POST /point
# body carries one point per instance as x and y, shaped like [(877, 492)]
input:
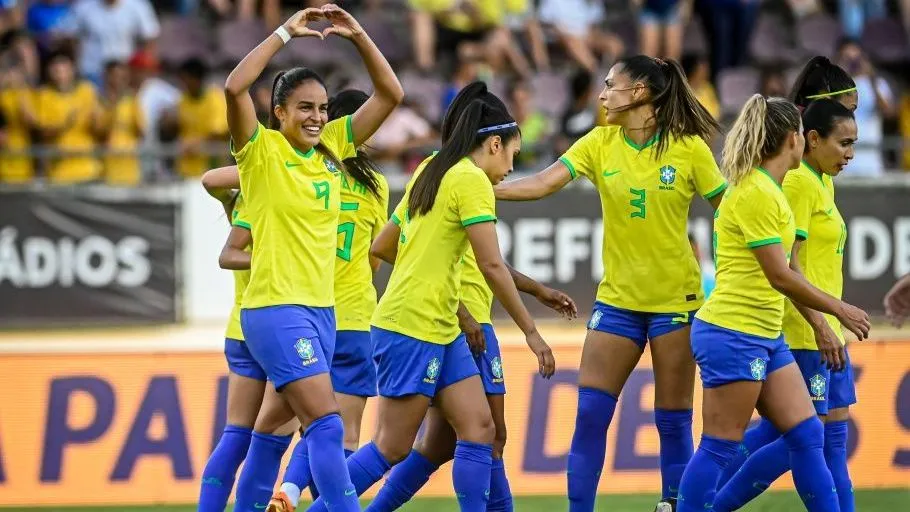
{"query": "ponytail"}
[(360, 167), (464, 138), (820, 78), (757, 134), (677, 111)]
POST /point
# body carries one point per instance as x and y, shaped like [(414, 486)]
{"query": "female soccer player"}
[(246, 379), (437, 445), (420, 353), (736, 337), (816, 341), (647, 165), (291, 183), (820, 79)]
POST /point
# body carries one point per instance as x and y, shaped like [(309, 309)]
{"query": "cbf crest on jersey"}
[(757, 367), (432, 371), (817, 385), (330, 165), (667, 175), (305, 351)]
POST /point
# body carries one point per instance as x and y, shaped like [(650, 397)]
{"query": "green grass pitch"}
[(867, 501)]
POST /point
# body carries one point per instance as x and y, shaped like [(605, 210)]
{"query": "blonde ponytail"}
[(757, 135)]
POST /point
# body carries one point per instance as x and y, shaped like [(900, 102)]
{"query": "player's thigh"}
[(674, 370), (465, 407), (398, 420), (784, 398), (351, 407), (727, 409), (274, 412), (310, 398), (438, 441), (244, 399), (607, 360), (498, 411)]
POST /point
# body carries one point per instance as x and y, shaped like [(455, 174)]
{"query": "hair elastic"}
[(497, 127), (829, 94)]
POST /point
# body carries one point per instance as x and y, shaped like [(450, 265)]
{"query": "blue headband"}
[(497, 127)]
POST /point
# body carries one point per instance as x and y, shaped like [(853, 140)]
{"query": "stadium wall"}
[(114, 428)]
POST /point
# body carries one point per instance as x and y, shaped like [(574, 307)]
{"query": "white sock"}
[(292, 492)]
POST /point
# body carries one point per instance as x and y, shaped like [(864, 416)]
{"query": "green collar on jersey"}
[(768, 174), (815, 172), (648, 143), (308, 154)]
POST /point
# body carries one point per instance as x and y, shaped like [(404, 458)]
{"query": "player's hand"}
[(558, 301), (829, 347), (296, 25), (343, 24), (473, 331), (546, 363), (897, 301), (854, 319)]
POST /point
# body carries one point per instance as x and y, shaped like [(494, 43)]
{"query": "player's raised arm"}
[(387, 91), (241, 112)]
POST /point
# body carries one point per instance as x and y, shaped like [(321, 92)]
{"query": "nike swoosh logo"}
[(829, 210), (291, 164), (259, 507), (350, 492), (607, 174)]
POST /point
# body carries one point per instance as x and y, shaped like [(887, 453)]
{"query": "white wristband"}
[(283, 34)]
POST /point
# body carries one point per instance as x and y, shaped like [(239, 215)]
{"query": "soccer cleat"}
[(280, 503), (667, 505)]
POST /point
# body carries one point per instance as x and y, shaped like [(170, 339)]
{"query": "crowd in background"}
[(129, 91)]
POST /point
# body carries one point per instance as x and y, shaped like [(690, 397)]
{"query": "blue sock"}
[(324, 438), (500, 493), (471, 475), (298, 470), (676, 447), (699, 481), (589, 447), (366, 466), (761, 469), (221, 469), (756, 437), (257, 480), (836, 457), (406, 478), (807, 461)]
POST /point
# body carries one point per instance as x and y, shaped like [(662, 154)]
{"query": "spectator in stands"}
[(728, 27), (16, 47), (108, 30), (271, 11), (156, 97), (201, 119), (45, 19), (17, 110), (120, 126), (874, 105), (771, 82), (855, 13), (581, 115), (403, 139), (577, 24), (698, 73), (468, 69), (534, 125), (466, 27), (661, 27), (65, 110)]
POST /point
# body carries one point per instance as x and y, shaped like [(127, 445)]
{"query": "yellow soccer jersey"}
[(752, 214), (819, 223), (241, 277), (361, 219), (16, 169), (74, 111), (292, 201), (127, 123), (421, 299), (648, 261), (200, 118), (476, 294)]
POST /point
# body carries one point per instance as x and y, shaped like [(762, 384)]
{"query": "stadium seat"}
[(183, 38), (886, 41), (818, 35), (550, 93), (694, 39), (234, 39), (735, 86), (427, 91), (771, 41), (388, 35)]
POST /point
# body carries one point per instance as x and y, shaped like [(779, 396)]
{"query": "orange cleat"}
[(280, 503)]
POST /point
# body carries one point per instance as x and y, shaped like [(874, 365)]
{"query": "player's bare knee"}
[(392, 448)]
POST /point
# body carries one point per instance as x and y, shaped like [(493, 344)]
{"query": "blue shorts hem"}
[(353, 370), (725, 356), (637, 326), (241, 362)]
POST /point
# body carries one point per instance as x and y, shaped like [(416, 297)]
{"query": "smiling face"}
[(834, 152), (304, 114)]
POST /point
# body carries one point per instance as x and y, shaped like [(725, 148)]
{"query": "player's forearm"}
[(815, 319), (794, 286), (234, 259), (524, 283), (251, 67), (500, 281), (385, 83), (524, 189)]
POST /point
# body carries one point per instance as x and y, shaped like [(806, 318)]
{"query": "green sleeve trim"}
[(762, 243), (802, 234), (396, 220), (568, 164), (478, 220), (255, 134), (242, 224), (252, 139), (349, 126), (716, 191), (348, 207)]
